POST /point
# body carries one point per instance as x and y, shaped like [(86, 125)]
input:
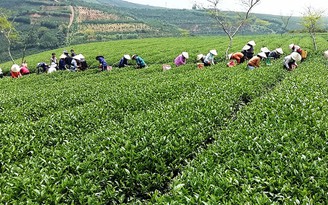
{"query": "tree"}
[(229, 25), (285, 22), (311, 21), (8, 31)]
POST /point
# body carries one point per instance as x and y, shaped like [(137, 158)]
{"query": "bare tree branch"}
[(7, 30), (285, 20), (231, 28)]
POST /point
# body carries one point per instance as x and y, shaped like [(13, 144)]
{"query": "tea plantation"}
[(184, 136)]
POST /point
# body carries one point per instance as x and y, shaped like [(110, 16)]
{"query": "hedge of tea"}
[(121, 136), (274, 153)]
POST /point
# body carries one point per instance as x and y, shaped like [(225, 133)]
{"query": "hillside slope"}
[(46, 24), (183, 136)]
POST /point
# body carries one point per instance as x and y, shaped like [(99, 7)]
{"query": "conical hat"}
[(252, 43), (213, 52), (229, 56), (15, 68), (185, 54), (296, 56), (291, 46), (280, 51), (246, 47), (265, 50), (262, 54), (62, 56), (127, 56), (200, 56), (81, 56), (326, 54)]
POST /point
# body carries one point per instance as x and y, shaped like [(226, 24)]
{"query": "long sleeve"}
[(287, 61), (140, 61), (179, 61), (209, 59)]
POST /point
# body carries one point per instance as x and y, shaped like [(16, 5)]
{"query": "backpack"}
[(304, 54)]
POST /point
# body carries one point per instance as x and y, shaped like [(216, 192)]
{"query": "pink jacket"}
[(180, 60), (24, 71)]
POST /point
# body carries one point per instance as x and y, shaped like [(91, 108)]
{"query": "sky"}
[(276, 7)]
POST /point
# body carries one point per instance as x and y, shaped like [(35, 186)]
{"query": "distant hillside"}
[(49, 24)]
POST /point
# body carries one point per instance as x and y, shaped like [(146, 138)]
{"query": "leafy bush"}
[(223, 134)]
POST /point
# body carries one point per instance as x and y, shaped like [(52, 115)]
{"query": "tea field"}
[(184, 136)]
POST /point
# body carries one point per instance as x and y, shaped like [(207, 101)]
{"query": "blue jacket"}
[(103, 62), (62, 64), (140, 62), (123, 62)]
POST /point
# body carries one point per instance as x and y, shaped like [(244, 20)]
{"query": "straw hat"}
[(246, 47), (326, 54), (200, 56), (296, 56), (252, 43), (291, 46), (15, 68), (81, 56), (265, 50), (213, 52), (262, 54), (280, 51), (127, 56), (229, 56), (185, 54)]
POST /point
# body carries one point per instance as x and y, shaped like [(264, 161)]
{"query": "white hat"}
[(127, 56), (262, 54), (200, 56), (62, 56), (246, 47), (252, 43), (81, 56), (185, 54), (296, 56), (229, 56), (291, 46), (213, 52), (15, 68), (280, 51), (326, 54), (265, 50)]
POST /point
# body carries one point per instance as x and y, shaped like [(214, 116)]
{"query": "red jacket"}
[(15, 74)]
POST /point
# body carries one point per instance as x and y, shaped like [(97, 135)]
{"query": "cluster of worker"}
[(247, 54), (73, 62)]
